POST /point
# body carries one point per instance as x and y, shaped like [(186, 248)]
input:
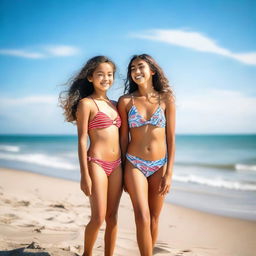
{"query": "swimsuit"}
[(136, 120), (146, 167), (107, 166), (102, 120)]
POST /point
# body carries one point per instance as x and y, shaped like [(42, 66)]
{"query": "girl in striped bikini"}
[(147, 142), (87, 104)]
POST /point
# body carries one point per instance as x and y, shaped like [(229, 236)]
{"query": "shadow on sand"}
[(23, 252)]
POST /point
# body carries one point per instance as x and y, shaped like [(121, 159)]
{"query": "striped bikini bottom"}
[(145, 166), (107, 166)]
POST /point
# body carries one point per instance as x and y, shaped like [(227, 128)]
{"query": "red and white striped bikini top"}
[(102, 120)]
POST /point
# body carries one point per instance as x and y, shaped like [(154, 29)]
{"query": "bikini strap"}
[(95, 104)]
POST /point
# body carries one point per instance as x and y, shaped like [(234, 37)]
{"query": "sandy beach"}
[(40, 215)]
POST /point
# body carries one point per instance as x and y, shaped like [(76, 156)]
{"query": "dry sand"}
[(43, 216)]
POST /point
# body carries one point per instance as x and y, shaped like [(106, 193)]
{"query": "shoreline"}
[(166, 202), (180, 194), (53, 211)]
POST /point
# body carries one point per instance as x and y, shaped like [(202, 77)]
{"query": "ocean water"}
[(212, 173)]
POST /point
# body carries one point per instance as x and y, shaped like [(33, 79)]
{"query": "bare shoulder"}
[(125, 99), (85, 103), (168, 99)]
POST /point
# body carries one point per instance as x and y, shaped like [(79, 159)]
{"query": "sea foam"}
[(245, 167), (9, 148), (218, 182), (40, 159)]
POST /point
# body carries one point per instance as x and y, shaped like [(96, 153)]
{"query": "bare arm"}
[(170, 141), (170, 134), (124, 129), (83, 113)]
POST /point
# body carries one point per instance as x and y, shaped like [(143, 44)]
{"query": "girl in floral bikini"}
[(87, 104), (148, 143)]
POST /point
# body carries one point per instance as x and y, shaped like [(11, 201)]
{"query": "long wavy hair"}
[(160, 82), (80, 87)]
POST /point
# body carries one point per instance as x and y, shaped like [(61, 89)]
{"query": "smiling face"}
[(102, 77), (141, 72)]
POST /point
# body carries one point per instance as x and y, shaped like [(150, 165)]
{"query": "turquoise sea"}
[(212, 173)]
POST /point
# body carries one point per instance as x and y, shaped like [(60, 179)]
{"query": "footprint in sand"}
[(27, 225), (69, 222), (161, 247), (7, 201), (22, 203), (158, 249), (11, 216), (82, 205), (50, 218), (60, 206), (183, 252), (39, 230), (61, 217)]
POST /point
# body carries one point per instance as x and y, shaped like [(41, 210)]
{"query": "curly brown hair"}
[(160, 82), (80, 87)]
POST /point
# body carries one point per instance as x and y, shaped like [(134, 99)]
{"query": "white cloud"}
[(247, 58), (62, 50), (44, 52), (195, 41), (22, 53), (216, 111)]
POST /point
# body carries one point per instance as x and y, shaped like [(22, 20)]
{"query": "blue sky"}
[(206, 48)]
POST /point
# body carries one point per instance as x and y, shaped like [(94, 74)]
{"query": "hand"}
[(86, 185), (165, 185)]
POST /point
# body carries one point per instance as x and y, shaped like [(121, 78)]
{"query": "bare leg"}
[(137, 187), (98, 201), (155, 201), (114, 195)]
